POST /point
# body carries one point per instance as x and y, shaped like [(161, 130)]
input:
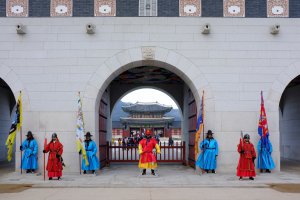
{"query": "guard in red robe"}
[(147, 157), (245, 167), (55, 163)]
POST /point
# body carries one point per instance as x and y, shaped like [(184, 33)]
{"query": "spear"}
[(45, 144)]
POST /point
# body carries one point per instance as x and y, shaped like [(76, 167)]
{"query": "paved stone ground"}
[(150, 194), (169, 176), (173, 182)]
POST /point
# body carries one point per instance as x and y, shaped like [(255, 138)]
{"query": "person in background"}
[(245, 166), (29, 158), (55, 162), (171, 141), (91, 153), (207, 160)]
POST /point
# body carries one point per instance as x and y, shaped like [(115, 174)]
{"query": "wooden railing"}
[(169, 154)]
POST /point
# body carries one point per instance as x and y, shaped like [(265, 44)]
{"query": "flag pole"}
[(80, 150), (203, 128), (45, 144), (79, 164), (21, 150), (261, 137), (19, 121)]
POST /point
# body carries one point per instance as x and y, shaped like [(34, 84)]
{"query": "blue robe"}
[(29, 158), (91, 152), (207, 159), (264, 160)]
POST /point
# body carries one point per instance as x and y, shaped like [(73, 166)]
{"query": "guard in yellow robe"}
[(147, 157)]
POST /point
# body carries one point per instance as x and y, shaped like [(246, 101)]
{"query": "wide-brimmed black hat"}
[(209, 132), (246, 136), (29, 133), (54, 135), (88, 134)]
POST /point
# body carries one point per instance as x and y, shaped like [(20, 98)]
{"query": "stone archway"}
[(273, 104), (143, 56), (134, 57), (11, 78), (15, 85)]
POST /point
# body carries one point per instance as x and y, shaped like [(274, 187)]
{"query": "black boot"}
[(93, 171), (84, 171), (50, 178), (241, 178), (27, 171), (144, 172), (152, 172), (251, 178), (213, 171), (58, 178), (268, 171)]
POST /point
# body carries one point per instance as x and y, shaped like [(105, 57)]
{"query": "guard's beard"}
[(148, 137)]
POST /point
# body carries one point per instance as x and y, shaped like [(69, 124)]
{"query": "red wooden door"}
[(192, 117), (103, 111)]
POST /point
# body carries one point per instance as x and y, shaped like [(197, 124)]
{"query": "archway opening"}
[(149, 76), (7, 103), (146, 108), (289, 125)]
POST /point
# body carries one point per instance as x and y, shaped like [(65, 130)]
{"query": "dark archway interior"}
[(7, 103), (289, 123), (147, 76)]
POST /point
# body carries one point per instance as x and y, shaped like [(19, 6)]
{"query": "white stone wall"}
[(290, 125), (56, 58)]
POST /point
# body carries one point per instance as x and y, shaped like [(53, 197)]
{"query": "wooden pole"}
[(79, 164), (21, 151), (45, 144)]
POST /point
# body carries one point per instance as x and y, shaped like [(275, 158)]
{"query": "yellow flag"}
[(15, 126)]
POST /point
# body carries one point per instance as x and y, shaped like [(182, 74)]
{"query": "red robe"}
[(147, 157), (54, 165), (245, 167)]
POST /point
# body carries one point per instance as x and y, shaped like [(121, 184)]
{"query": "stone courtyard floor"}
[(173, 182)]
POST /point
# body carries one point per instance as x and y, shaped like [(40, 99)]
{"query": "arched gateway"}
[(100, 94)]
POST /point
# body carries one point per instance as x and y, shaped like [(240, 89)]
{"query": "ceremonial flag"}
[(15, 126), (80, 131), (263, 130), (199, 127)]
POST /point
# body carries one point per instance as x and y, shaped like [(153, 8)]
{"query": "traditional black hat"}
[(54, 135), (88, 134), (209, 132), (29, 133), (246, 136)]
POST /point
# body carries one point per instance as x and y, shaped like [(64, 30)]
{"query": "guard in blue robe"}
[(207, 160), (265, 161), (30, 150), (91, 152)]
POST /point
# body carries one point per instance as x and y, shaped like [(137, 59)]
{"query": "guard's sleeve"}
[(60, 149), (157, 148), (259, 146), (35, 148), (271, 147), (23, 145), (140, 149), (217, 147), (94, 148), (253, 151)]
